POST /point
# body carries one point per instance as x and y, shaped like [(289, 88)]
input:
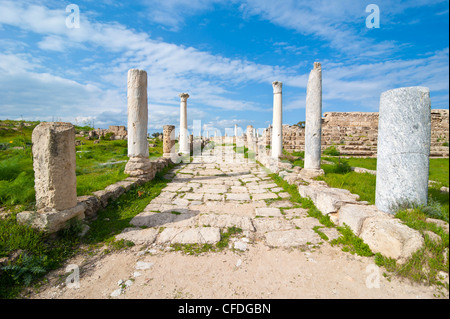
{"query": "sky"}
[(68, 61)]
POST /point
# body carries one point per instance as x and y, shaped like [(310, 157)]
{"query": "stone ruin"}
[(403, 142), (356, 133)]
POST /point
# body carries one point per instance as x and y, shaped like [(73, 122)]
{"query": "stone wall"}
[(355, 133)]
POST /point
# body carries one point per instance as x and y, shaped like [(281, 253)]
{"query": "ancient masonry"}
[(356, 133)]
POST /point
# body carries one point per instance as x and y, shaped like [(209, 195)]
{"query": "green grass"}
[(425, 264), (38, 252), (196, 249), (17, 175)]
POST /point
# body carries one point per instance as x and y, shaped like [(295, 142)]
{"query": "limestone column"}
[(313, 124), (55, 183), (249, 137), (404, 137), (139, 163), (184, 137), (168, 140), (277, 133)]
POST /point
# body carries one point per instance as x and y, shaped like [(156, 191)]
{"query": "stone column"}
[(184, 138), (139, 163), (168, 140), (313, 124), (54, 177), (404, 137), (277, 133)]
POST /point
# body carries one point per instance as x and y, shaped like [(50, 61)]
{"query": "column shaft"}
[(404, 138), (277, 133), (313, 125)]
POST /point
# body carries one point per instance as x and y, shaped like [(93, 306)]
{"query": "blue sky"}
[(224, 53)]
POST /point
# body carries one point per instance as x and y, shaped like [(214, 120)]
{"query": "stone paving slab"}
[(268, 211), (291, 238), (225, 221), (200, 235), (196, 207), (264, 196), (237, 196)]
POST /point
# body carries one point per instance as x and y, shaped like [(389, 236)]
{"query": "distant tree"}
[(155, 135), (300, 124)]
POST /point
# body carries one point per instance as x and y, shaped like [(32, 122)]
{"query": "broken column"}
[(184, 138), (277, 133), (168, 141), (54, 177), (313, 124), (404, 137), (139, 163)]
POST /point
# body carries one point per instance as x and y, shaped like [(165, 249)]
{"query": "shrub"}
[(331, 151)]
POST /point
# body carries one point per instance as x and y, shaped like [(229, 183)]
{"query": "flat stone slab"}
[(225, 221), (306, 222), (138, 235), (199, 235), (281, 203), (295, 212), (213, 197), (265, 225), (237, 196), (163, 219), (239, 189), (262, 196), (193, 196), (268, 211), (291, 238)]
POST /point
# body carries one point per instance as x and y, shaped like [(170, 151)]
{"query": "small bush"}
[(331, 151)]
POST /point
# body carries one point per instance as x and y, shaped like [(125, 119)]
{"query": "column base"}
[(138, 166), (310, 173), (50, 220)]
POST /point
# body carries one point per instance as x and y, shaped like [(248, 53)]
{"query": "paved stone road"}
[(211, 194)]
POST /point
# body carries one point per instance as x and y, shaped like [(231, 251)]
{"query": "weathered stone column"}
[(277, 132), (168, 140), (404, 137), (313, 124), (54, 177), (184, 138), (249, 135), (139, 163)]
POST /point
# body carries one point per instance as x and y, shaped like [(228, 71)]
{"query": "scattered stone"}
[(239, 245), (116, 292), (141, 265)]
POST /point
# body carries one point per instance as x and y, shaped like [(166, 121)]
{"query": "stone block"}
[(391, 238)]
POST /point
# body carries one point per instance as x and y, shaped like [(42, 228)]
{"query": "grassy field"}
[(32, 253), (97, 165), (38, 253)]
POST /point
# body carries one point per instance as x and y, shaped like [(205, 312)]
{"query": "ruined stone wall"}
[(355, 133)]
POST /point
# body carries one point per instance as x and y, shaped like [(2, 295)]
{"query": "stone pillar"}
[(313, 124), (249, 134), (55, 183), (277, 132), (168, 140), (184, 138), (139, 163), (404, 137)]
